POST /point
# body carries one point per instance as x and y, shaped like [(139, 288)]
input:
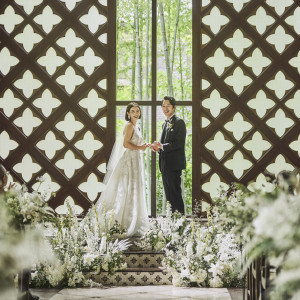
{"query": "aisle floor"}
[(140, 292)]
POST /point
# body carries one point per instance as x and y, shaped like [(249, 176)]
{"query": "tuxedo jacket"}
[(172, 156)]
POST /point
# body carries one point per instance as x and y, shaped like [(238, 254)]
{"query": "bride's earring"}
[(129, 118)]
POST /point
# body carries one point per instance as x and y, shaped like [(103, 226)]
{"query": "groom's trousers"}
[(172, 187)]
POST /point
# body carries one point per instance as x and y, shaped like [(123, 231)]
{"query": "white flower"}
[(102, 247), (105, 266), (199, 276), (123, 266), (200, 248), (179, 222), (107, 258), (159, 246), (216, 269), (251, 201), (277, 223), (185, 272), (189, 249), (215, 282), (175, 237), (177, 280), (208, 257), (88, 259), (160, 235)]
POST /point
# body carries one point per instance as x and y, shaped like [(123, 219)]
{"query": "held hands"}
[(156, 146), (144, 146)]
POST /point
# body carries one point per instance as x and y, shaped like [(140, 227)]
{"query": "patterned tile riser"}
[(143, 260), (125, 278)]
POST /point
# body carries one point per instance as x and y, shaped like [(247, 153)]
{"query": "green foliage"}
[(126, 46), (181, 76)]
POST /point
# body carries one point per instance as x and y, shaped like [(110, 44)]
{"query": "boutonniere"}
[(170, 125)]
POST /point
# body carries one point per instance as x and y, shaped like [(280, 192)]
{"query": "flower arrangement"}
[(91, 245), (269, 225), (196, 253), (163, 231), (234, 211), (103, 247), (20, 249), (27, 208), (277, 234)]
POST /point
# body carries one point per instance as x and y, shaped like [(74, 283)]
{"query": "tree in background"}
[(174, 50)]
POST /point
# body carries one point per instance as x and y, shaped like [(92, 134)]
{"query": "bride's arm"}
[(128, 131)]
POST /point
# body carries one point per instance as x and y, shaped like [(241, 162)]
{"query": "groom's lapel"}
[(165, 129), (171, 122), (163, 134)]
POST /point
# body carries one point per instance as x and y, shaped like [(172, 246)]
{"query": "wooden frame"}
[(28, 61), (238, 103)]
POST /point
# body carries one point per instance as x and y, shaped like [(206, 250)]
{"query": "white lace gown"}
[(125, 190)]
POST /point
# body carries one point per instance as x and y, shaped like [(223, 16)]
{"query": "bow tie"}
[(169, 120)]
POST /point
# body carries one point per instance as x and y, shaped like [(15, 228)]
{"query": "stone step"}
[(138, 259), (133, 277)]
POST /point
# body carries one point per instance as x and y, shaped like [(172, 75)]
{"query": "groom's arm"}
[(179, 140)]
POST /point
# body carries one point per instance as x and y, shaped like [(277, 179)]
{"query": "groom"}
[(171, 154)]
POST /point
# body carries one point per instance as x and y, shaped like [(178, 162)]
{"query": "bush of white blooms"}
[(91, 245), (269, 224), (196, 253), (277, 234), (22, 241), (60, 249)]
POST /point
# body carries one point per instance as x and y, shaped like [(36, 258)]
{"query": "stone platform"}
[(143, 268)]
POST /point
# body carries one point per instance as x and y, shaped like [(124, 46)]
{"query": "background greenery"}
[(174, 73)]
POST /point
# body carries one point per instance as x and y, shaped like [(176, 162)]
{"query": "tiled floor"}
[(143, 292)]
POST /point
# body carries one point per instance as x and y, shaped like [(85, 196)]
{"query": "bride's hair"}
[(129, 106), (3, 172)]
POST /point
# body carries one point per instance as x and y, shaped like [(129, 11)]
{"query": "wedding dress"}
[(124, 195)]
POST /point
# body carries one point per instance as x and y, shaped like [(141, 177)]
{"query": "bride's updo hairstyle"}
[(129, 106)]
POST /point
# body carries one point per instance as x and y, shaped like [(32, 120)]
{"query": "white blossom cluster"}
[(204, 258), (195, 253), (19, 249), (277, 234), (31, 207), (87, 246), (267, 224)]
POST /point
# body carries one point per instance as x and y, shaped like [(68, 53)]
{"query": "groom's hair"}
[(171, 99), (129, 106)]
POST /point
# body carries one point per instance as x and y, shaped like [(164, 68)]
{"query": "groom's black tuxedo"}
[(172, 160)]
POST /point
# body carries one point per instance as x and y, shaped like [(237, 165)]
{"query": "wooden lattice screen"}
[(246, 57), (57, 64), (57, 89)]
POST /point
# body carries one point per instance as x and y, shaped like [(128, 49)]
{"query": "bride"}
[(124, 194)]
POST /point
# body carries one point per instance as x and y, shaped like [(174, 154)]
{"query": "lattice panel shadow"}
[(53, 96), (250, 99)]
